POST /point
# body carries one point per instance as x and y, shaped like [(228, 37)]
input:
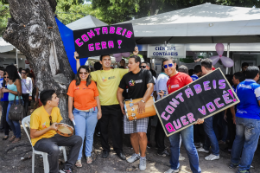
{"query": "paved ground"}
[(11, 154)]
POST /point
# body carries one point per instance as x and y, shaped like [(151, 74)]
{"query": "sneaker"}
[(133, 158), (66, 171), (232, 166), (142, 165), (212, 157), (202, 150), (171, 170), (181, 157), (164, 153)]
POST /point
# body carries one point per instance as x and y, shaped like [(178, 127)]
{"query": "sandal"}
[(12, 138), (89, 160), (5, 138), (78, 164), (16, 140)]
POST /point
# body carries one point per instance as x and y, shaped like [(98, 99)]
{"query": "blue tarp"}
[(68, 42)]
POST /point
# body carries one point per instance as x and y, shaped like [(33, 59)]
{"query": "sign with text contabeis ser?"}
[(104, 40), (202, 98)]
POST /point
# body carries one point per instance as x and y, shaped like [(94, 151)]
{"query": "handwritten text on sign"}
[(200, 99), (104, 40)]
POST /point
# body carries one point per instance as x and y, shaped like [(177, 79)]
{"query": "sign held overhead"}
[(104, 40)]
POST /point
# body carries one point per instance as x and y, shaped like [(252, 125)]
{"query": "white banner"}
[(171, 50)]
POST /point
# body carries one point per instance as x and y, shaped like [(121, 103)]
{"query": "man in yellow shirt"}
[(43, 126), (107, 81)]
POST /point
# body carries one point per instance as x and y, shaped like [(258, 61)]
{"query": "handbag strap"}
[(18, 98)]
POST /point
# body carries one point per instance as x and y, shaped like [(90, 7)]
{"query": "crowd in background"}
[(15, 85), (91, 111)]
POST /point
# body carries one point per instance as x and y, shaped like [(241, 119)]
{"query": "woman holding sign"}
[(176, 81)]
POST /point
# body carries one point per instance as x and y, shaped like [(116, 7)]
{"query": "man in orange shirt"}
[(43, 126)]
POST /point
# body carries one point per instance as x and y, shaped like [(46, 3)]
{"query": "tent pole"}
[(228, 48), (16, 58)]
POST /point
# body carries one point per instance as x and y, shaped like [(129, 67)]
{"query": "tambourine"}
[(65, 130)]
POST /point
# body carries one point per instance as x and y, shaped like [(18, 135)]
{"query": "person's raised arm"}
[(34, 133), (77, 60), (120, 99)]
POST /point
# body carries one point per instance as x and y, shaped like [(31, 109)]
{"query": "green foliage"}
[(114, 11), (4, 15), (71, 10), (240, 3)]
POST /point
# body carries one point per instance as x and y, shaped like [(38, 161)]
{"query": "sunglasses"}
[(50, 117), (167, 65), (143, 66), (6, 77), (83, 73)]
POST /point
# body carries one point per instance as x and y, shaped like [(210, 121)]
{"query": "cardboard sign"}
[(202, 98), (104, 40)]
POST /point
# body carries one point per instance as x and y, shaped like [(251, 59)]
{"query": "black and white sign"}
[(200, 99), (104, 40)]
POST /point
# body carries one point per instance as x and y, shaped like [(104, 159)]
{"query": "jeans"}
[(85, 127), (187, 139), (247, 135), (14, 125), (210, 139), (113, 114), (51, 146), (5, 124)]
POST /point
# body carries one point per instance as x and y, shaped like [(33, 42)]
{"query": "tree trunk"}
[(33, 30)]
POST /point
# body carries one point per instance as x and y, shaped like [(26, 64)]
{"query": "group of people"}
[(98, 98), (15, 87)]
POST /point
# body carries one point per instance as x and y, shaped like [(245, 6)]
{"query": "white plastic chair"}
[(26, 120)]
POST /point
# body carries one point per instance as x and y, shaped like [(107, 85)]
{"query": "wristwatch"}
[(143, 101)]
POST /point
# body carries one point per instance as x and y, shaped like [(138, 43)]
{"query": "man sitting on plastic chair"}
[(43, 126)]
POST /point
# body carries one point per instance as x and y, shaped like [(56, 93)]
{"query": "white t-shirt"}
[(161, 84)]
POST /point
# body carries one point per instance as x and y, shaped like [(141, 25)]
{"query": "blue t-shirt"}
[(194, 77), (5, 96), (248, 92)]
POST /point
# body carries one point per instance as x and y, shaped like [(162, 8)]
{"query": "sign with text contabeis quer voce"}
[(104, 40), (202, 98)]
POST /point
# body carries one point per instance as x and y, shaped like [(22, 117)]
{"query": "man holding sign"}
[(178, 80)]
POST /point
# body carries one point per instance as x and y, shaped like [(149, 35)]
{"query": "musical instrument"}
[(65, 130), (131, 109)]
